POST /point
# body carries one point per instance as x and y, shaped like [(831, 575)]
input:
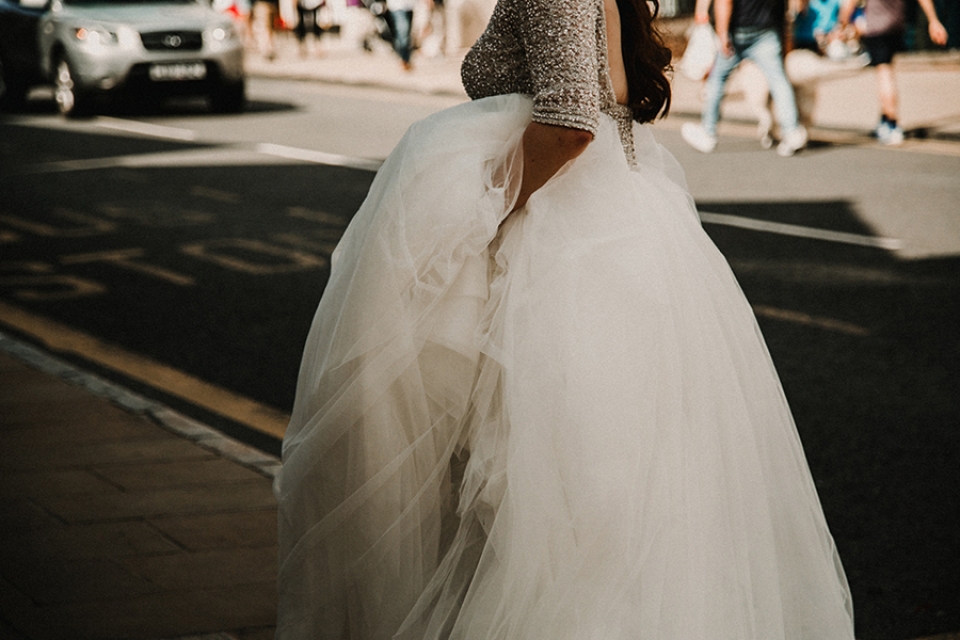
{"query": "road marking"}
[(146, 129), (61, 338), (235, 253), (218, 195), (318, 157), (127, 259), (38, 281), (228, 156), (890, 244), (798, 317), (85, 225)]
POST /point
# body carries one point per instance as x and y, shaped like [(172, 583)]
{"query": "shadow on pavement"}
[(877, 411)]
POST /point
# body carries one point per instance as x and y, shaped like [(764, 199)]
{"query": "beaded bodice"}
[(556, 52)]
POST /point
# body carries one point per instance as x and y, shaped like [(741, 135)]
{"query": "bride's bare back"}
[(618, 74)]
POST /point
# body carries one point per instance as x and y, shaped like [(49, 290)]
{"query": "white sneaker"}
[(697, 137), (889, 136), (793, 142)]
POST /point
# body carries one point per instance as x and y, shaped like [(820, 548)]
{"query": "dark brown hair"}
[(645, 58)]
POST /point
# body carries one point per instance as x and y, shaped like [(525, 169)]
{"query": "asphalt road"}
[(175, 251)]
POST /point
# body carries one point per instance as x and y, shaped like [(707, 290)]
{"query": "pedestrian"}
[(308, 24), (813, 26), (533, 402), (401, 25), (432, 42), (882, 37), (748, 29), (263, 19)]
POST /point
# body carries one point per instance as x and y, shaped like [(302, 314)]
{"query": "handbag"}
[(702, 48)]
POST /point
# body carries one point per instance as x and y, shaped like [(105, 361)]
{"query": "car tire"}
[(13, 91), (229, 97), (71, 100)]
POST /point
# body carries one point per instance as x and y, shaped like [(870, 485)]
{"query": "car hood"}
[(160, 15)]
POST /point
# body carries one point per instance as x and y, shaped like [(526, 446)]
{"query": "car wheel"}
[(229, 98), (13, 92), (71, 101)]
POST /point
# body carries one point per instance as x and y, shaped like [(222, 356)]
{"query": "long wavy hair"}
[(645, 58)]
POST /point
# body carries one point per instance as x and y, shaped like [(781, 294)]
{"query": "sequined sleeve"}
[(560, 41), (548, 49)]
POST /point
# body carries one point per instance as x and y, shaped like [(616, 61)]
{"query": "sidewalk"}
[(121, 518), (844, 98)]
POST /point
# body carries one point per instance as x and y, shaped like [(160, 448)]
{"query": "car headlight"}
[(127, 37), (222, 33), (95, 37)]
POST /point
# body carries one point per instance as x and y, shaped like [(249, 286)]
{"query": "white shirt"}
[(401, 5)]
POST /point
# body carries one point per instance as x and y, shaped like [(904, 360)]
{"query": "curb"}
[(173, 421)]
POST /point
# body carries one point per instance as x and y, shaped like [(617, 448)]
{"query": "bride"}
[(534, 402)]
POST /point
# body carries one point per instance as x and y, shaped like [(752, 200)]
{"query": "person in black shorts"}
[(882, 38), (881, 47)]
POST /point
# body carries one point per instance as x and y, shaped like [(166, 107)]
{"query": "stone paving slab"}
[(240, 609), (100, 540), (120, 518), (238, 496), (166, 447), (220, 530), (53, 433), (207, 569), (48, 580), (52, 482), (20, 513), (169, 474), (38, 414)]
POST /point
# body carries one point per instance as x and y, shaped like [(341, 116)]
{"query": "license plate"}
[(178, 71)]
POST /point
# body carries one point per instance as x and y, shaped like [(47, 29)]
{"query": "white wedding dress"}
[(634, 471), (632, 468)]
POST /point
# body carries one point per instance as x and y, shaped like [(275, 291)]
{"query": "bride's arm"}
[(560, 43), (546, 148)]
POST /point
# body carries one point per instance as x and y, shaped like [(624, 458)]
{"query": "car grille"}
[(172, 40)]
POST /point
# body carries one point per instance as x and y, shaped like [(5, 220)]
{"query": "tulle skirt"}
[(563, 427)]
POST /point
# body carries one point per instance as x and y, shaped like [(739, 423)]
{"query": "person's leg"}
[(887, 92), (270, 17), (888, 131), (262, 29), (300, 30), (402, 24), (316, 24), (703, 136), (766, 52), (881, 49), (713, 91)]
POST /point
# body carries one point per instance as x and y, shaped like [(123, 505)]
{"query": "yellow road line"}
[(64, 339)]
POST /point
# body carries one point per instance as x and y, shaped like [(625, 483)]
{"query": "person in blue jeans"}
[(748, 29), (401, 22)]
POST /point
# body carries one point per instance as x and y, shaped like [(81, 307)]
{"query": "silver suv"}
[(146, 48)]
